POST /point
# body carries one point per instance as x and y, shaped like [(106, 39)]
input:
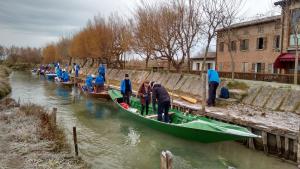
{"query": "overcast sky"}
[(37, 22)]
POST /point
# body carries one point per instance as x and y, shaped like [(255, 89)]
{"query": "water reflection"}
[(108, 140)]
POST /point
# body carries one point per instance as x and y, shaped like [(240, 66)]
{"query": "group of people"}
[(96, 84), (149, 92), (62, 75), (157, 94)]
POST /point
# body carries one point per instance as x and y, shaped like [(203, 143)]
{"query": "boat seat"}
[(154, 116)]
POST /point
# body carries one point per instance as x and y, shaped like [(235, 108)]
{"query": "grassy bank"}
[(5, 88), (19, 66), (28, 139)]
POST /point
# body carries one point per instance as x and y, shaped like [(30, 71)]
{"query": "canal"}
[(109, 140)]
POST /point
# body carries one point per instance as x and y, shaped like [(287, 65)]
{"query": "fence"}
[(280, 78)]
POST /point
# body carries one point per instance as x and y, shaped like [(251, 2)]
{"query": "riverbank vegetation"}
[(5, 88), (28, 139), (19, 58)]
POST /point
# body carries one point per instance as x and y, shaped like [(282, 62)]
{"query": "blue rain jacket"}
[(89, 81), (58, 72), (123, 86), (101, 70), (99, 80), (213, 76), (65, 76)]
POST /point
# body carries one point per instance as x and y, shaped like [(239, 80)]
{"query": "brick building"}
[(264, 45)]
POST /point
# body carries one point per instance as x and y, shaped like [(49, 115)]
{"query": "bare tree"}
[(231, 10), (213, 15)]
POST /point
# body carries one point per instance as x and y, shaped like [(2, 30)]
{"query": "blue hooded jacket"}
[(99, 80), (58, 72), (123, 86), (89, 81), (101, 70), (65, 76), (213, 76)]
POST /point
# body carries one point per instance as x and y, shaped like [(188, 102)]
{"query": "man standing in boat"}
[(126, 89), (101, 71), (162, 97), (144, 94), (213, 83)]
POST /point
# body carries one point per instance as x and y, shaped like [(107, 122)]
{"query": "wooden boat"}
[(65, 84), (51, 76), (104, 94), (188, 127)]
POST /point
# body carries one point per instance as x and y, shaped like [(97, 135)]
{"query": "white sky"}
[(38, 22)]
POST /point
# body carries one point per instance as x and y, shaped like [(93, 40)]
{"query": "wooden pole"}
[(75, 141), (53, 116), (265, 141), (298, 152), (278, 142), (166, 160)]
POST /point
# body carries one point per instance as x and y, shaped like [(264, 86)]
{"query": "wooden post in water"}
[(53, 116), (166, 160), (75, 141), (298, 150), (286, 148), (278, 143), (265, 141), (250, 140)]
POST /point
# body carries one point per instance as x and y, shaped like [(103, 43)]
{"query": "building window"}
[(276, 42), (197, 66), (260, 29), (244, 44), (261, 43), (232, 46), (209, 65), (270, 68), (245, 67), (221, 47)]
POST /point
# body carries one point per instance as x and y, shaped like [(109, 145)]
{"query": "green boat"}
[(184, 125)]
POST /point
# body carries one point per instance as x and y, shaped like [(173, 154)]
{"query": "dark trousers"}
[(163, 109), (212, 90), (126, 98), (146, 105), (103, 75)]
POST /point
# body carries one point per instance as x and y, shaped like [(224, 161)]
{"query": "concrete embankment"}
[(5, 88), (30, 139)]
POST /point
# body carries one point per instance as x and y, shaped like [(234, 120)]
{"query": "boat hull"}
[(178, 130), (103, 95)]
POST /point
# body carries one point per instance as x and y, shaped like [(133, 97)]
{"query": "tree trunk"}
[(70, 60), (296, 66), (84, 62), (203, 76), (147, 62)]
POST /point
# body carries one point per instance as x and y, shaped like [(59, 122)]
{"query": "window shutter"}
[(247, 44), (265, 42), (257, 43), (274, 42), (241, 45), (253, 67), (262, 67)]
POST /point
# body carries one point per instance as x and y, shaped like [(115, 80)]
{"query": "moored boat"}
[(185, 126), (51, 76), (103, 94)]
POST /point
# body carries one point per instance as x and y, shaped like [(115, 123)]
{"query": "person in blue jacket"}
[(101, 71), (58, 72), (65, 76), (99, 84), (89, 82), (77, 68), (213, 83), (126, 89)]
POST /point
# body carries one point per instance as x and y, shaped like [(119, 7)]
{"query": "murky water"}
[(108, 140)]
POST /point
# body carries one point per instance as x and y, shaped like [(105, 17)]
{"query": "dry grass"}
[(47, 129), (237, 85), (29, 139)]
